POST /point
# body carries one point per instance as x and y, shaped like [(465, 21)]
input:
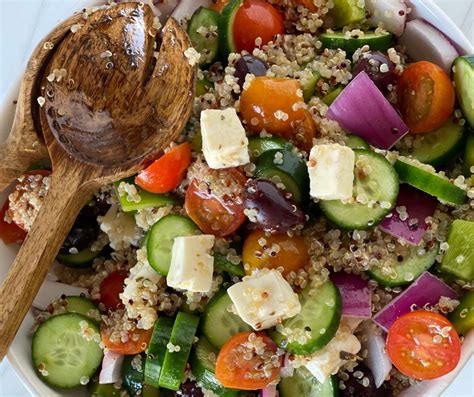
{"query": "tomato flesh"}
[(137, 342), (167, 172), (256, 19), (276, 250), (9, 232), (423, 345), (241, 361), (426, 96), (111, 287)]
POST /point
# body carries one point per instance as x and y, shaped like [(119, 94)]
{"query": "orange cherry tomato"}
[(426, 96), (276, 105), (239, 366), (218, 5), (138, 341), (256, 19), (9, 232), (166, 173), (111, 287), (423, 345), (274, 251), (215, 203)]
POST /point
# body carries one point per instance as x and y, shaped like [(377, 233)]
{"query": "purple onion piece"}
[(355, 293)]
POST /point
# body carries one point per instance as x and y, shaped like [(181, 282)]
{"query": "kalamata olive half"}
[(248, 64), (268, 207), (363, 387), (190, 389), (82, 234), (378, 67)]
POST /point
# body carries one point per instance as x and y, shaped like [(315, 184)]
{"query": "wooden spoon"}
[(24, 146), (116, 108)]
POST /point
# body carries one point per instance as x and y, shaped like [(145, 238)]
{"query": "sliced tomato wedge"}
[(9, 232), (242, 359), (138, 341), (215, 203), (167, 172), (423, 345), (111, 287)]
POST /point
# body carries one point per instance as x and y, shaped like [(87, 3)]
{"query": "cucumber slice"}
[(458, 260), (303, 384), (206, 44), (59, 348), (320, 315), (157, 350), (147, 199), (463, 68), (131, 376), (81, 305), (376, 42), (356, 142), (379, 186), (437, 147), (406, 271), (346, 12), (417, 175), (463, 316), (257, 145), (309, 85), (162, 235), (104, 390), (226, 28), (277, 163), (221, 262), (219, 324), (203, 364), (81, 260), (174, 364), (331, 97), (468, 164)]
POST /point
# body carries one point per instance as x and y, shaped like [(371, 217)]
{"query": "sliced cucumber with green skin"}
[(81, 305), (148, 200), (61, 354), (132, 378), (219, 324), (208, 44), (379, 186), (376, 42), (309, 85), (463, 316), (81, 260), (346, 12), (320, 315), (162, 235), (464, 81), (226, 28), (278, 162), (406, 271), (429, 182), (304, 384), (468, 164), (258, 146), (221, 262), (356, 142), (104, 390), (157, 350), (437, 147), (204, 368), (174, 364), (458, 260), (331, 97)]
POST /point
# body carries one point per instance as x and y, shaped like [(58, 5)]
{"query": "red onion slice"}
[(377, 358), (111, 367), (391, 14), (269, 391), (356, 296)]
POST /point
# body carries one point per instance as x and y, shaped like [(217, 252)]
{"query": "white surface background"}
[(21, 29)]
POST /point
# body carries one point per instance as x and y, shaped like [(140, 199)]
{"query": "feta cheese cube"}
[(192, 264), (263, 299), (224, 142), (331, 172), (120, 227)]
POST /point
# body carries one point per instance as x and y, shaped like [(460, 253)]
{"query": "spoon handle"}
[(66, 196)]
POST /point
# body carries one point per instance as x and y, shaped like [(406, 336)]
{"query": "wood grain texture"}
[(106, 125)]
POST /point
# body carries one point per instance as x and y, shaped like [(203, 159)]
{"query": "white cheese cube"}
[(263, 299), (331, 172), (192, 264), (326, 362), (224, 142)]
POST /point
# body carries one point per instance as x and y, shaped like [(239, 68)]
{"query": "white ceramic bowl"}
[(20, 351)]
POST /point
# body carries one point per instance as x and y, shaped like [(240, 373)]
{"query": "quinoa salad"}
[(310, 234)]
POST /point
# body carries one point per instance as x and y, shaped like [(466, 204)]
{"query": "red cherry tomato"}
[(423, 345), (256, 18), (9, 232), (166, 173), (111, 287), (217, 207), (218, 5)]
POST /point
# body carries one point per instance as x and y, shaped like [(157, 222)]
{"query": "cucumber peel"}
[(464, 82), (376, 42), (226, 28), (463, 316), (206, 44)]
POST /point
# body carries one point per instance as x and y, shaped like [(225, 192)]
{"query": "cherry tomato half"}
[(240, 367), (138, 341), (218, 5), (9, 232), (256, 19), (423, 345), (426, 96), (167, 172), (111, 287), (217, 207)]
